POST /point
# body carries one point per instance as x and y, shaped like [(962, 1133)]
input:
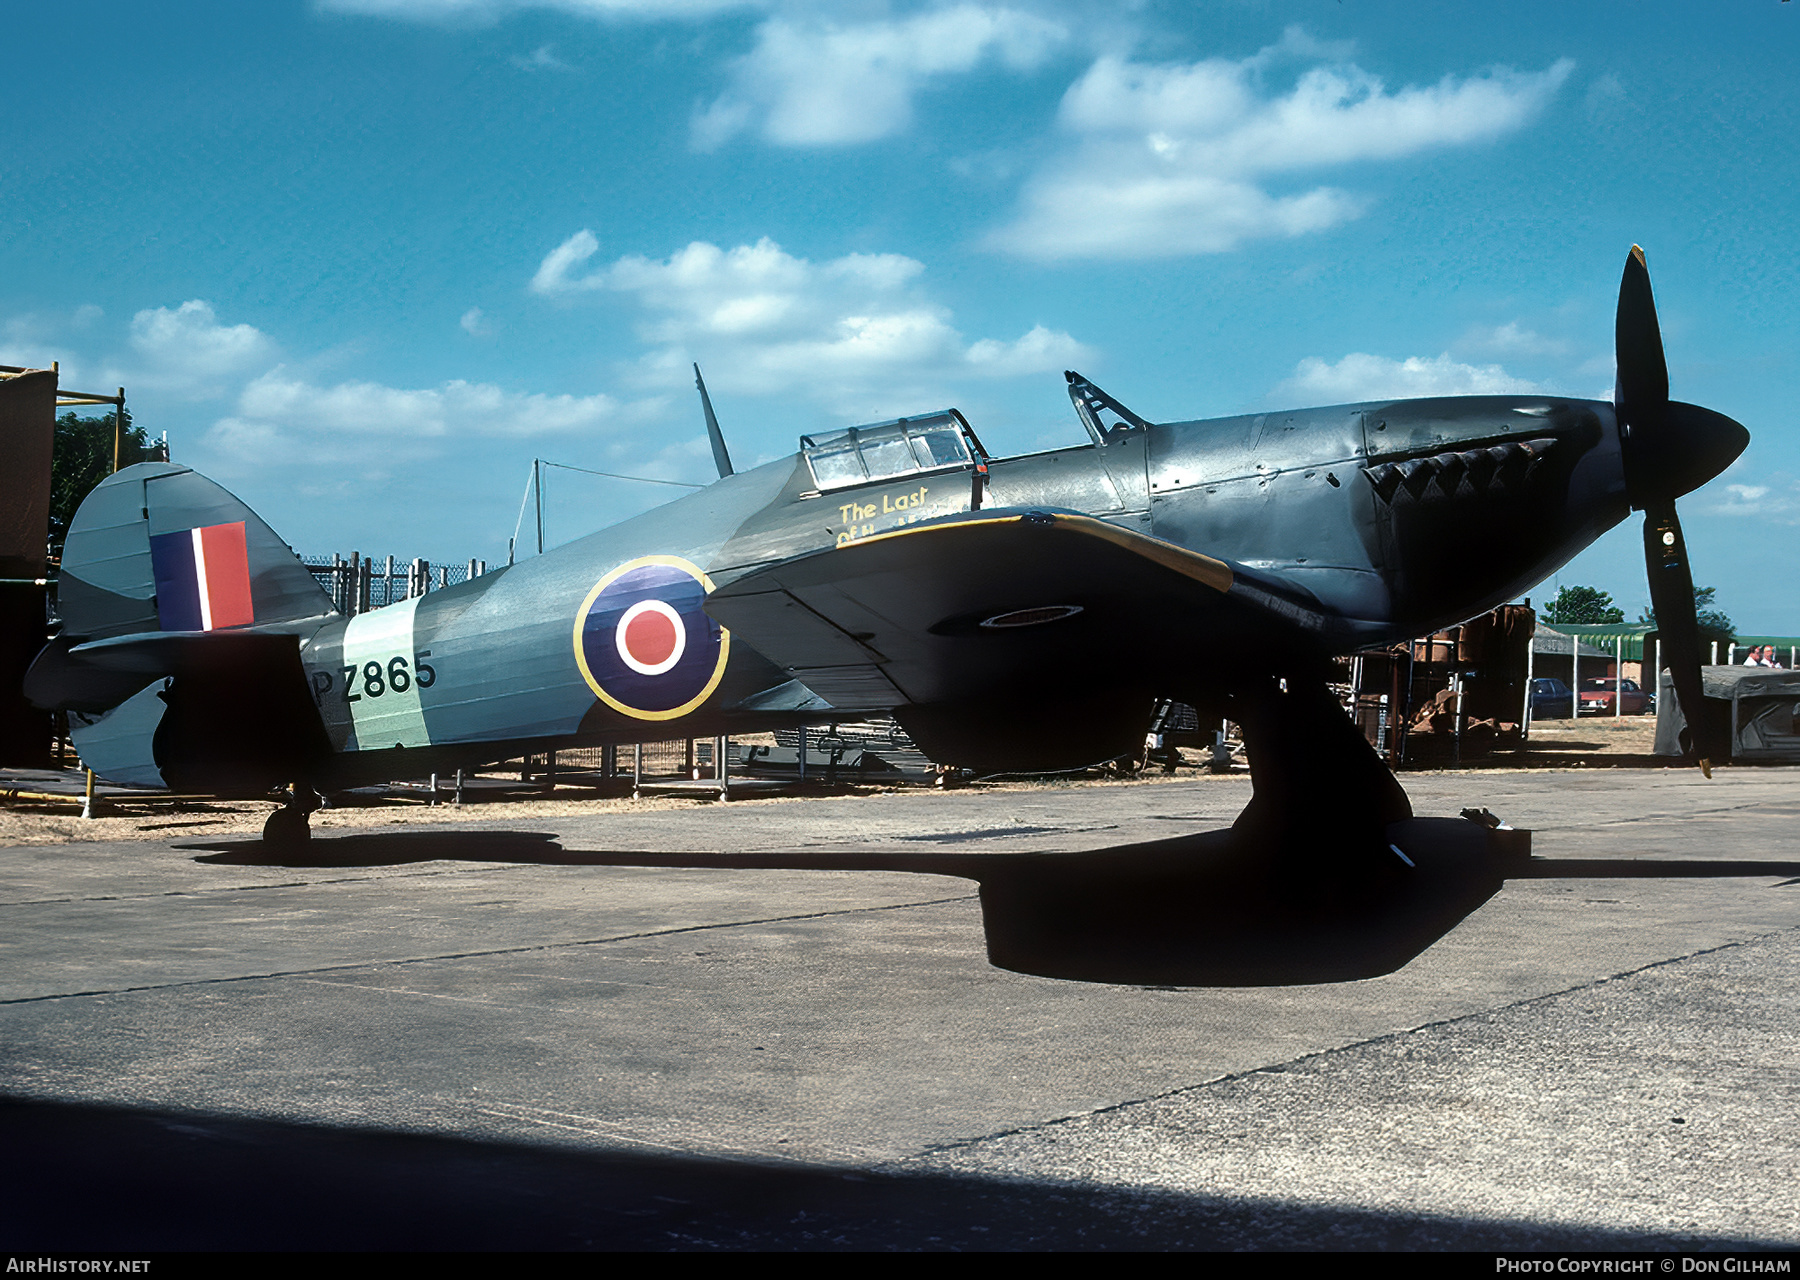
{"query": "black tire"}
[(287, 829)]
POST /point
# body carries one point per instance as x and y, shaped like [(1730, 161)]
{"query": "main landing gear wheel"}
[(287, 827)]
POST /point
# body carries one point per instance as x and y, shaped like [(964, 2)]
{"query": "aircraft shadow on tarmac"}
[(397, 849), (1206, 910), (87, 1177)]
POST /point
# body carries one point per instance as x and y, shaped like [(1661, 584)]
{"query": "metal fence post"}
[(1525, 711)]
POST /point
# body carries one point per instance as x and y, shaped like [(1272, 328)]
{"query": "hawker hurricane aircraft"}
[(1019, 613)]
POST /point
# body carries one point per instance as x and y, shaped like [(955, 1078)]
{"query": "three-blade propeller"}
[(1669, 448)]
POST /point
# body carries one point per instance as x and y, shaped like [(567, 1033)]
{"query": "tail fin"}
[(159, 547)]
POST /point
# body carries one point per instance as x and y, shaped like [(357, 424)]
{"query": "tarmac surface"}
[(776, 1025)]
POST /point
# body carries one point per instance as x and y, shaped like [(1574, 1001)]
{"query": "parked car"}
[(1597, 698), (1551, 699)]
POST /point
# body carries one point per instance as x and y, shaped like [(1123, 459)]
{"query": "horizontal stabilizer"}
[(227, 712), (94, 676)]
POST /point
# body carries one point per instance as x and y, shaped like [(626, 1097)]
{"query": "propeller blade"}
[(1672, 597), (1641, 386), (1668, 448)]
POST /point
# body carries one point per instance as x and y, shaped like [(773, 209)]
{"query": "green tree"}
[(1715, 623), (82, 457), (1584, 605)]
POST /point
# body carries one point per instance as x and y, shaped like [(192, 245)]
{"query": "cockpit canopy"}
[(884, 450)]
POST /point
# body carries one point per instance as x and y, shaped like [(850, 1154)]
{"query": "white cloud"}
[(355, 437), (256, 446), (826, 84), (371, 410), (34, 340), (542, 58), (855, 333), (1606, 100), (1776, 500), (484, 12), (1164, 217), (1037, 352), (285, 424), (1510, 339), (183, 352), (553, 272), (1359, 376), (187, 352), (473, 323), (1167, 160)]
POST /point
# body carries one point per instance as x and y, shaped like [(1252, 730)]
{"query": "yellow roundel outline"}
[(674, 713)]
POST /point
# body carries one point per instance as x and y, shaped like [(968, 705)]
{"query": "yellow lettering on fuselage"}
[(860, 518)]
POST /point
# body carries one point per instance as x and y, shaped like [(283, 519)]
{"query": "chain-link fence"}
[(362, 583), (676, 758)]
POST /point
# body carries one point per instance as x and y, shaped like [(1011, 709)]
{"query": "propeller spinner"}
[(1669, 448)]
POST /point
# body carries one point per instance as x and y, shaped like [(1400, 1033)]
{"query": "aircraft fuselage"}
[(1392, 519)]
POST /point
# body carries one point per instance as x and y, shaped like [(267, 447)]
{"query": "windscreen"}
[(885, 450)]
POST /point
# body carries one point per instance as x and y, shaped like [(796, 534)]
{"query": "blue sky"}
[(364, 259)]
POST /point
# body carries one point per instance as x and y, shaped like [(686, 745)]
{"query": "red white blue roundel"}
[(644, 644)]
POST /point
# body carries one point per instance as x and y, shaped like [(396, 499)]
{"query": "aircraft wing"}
[(949, 610)]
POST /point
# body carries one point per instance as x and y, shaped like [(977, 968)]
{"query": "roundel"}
[(643, 642)]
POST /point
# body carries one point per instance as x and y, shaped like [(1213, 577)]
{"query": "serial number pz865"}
[(374, 678)]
